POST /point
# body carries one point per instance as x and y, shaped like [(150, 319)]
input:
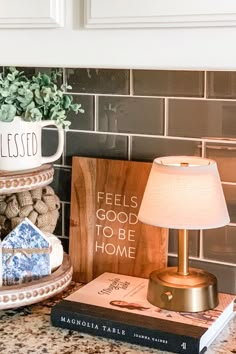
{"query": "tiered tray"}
[(46, 287), (18, 181), (37, 290)]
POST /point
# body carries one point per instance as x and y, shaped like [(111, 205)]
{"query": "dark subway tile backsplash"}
[(109, 81), (168, 83), (230, 197), (225, 157), (182, 115), (30, 71), (148, 148), (193, 242), (59, 227), (95, 145), (62, 183), (66, 219), (221, 84), (225, 274), (219, 244), (201, 118), (131, 115), (83, 121), (50, 143)]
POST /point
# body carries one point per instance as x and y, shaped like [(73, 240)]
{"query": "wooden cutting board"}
[(105, 234)]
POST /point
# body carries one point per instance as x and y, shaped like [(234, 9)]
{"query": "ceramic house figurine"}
[(25, 254)]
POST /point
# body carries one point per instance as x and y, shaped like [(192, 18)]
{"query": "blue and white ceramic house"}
[(25, 254)]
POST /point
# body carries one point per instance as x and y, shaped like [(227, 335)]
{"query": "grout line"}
[(142, 135), (166, 116), (205, 260), (205, 85), (63, 219), (63, 237), (62, 166), (223, 141), (64, 77), (129, 147), (203, 152), (131, 83), (154, 97), (229, 183), (232, 224), (64, 149), (95, 112), (220, 140)]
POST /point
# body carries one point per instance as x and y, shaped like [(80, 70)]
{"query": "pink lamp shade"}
[(184, 192)]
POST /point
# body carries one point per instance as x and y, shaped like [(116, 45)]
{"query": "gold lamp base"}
[(194, 292)]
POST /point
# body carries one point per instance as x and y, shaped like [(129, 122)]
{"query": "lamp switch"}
[(167, 296)]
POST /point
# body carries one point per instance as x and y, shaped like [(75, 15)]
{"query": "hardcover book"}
[(115, 306), (105, 233)]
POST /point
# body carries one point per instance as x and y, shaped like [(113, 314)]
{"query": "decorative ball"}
[(41, 206)]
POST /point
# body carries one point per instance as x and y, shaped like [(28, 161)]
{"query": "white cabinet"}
[(145, 34), (159, 13), (31, 13)]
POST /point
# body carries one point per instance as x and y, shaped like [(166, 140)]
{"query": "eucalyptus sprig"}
[(36, 98)]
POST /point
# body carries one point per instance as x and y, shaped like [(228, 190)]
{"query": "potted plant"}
[(26, 106)]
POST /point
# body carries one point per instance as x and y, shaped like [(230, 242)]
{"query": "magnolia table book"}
[(115, 306), (105, 233)]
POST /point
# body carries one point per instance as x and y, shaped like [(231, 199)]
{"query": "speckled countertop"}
[(28, 330)]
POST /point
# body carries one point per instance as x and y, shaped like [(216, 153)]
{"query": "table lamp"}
[(184, 193)]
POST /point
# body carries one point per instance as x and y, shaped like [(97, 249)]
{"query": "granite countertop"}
[(28, 330)]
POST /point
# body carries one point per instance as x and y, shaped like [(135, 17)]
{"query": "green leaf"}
[(32, 114), (7, 113), (66, 102), (36, 97), (5, 93)]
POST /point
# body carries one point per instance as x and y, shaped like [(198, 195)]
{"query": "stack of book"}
[(115, 306)]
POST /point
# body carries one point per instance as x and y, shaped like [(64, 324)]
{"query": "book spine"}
[(97, 326)]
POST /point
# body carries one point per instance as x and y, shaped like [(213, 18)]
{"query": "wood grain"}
[(105, 234)]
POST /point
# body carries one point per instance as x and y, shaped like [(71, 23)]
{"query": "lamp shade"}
[(184, 192)]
